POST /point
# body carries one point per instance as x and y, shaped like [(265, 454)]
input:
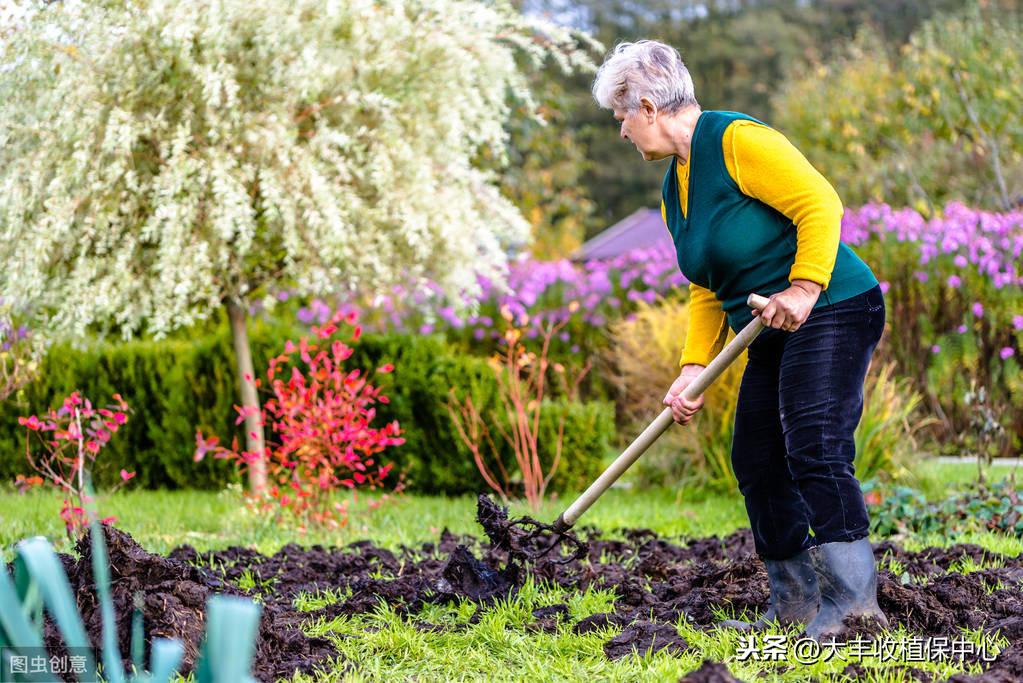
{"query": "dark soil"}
[(173, 605), (710, 672), (657, 584), (642, 637)]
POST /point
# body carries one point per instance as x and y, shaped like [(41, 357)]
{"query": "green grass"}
[(933, 478), (382, 646), (162, 520)]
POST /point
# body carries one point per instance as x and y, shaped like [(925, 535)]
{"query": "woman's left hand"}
[(790, 308)]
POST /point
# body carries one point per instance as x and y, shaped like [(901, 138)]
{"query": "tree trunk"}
[(254, 442)]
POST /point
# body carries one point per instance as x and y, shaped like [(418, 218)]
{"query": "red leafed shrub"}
[(71, 436), (321, 415)]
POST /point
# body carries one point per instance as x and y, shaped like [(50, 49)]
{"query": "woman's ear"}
[(648, 109)]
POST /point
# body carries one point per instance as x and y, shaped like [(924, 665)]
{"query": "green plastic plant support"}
[(232, 624)]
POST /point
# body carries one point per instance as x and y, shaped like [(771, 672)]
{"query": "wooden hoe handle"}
[(661, 423)]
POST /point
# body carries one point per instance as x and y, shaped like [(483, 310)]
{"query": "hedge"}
[(175, 386)]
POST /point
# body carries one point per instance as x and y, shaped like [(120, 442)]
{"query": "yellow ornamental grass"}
[(644, 355)]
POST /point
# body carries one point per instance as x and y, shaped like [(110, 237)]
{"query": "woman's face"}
[(640, 128)]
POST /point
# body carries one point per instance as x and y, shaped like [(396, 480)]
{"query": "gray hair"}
[(646, 68)]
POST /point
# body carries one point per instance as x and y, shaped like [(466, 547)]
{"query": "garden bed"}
[(657, 585)]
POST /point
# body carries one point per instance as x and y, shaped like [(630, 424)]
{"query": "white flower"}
[(159, 157)]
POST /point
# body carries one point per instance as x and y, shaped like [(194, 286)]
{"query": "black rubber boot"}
[(848, 582), (794, 594)]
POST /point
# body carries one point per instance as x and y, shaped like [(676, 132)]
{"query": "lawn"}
[(382, 645)]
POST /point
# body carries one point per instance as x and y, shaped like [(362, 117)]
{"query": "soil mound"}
[(657, 584), (655, 581), (173, 598), (644, 637)]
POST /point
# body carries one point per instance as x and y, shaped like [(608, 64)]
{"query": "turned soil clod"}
[(524, 538)]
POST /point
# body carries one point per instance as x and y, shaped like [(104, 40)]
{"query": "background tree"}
[(938, 121), (159, 161), (740, 53), (544, 175)]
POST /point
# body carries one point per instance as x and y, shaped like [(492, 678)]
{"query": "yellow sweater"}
[(766, 166)]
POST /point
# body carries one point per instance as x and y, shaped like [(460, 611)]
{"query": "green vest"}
[(733, 244)]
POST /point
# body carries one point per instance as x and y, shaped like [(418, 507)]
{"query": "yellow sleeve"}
[(707, 329), (766, 166)]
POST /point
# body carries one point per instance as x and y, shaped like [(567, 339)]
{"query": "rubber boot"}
[(848, 581), (794, 594)]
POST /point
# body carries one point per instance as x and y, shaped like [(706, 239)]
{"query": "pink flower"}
[(884, 287), (126, 475), (387, 367), (30, 422), (936, 348), (961, 329), (203, 446), (1017, 322), (978, 309), (954, 281), (1007, 352)]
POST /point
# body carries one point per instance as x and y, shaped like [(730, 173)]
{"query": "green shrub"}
[(904, 511), (934, 123), (178, 385)]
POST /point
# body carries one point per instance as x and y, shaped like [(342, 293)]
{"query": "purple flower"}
[(1017, 322), (921, 276), (1007, 352), (936, 348), (960, 261), (961, 329), (954, 281), (479, 333), (978, 309), (884, 287), (425, 329)]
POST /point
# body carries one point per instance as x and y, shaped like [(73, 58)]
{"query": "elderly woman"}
[(748, 213)]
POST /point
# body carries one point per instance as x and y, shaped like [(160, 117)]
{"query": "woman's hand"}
[(683, 410), (790, 308)]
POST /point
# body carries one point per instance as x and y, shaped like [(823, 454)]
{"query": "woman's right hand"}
[(682, 410)]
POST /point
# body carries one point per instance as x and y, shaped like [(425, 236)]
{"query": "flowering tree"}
[(160, 160)]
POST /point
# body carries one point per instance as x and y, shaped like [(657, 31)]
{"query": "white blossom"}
[(158, 157)]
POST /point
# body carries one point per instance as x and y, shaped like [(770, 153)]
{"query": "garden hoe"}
[(526, 538)]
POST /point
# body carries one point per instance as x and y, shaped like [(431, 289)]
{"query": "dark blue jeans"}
[(799, 403)]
